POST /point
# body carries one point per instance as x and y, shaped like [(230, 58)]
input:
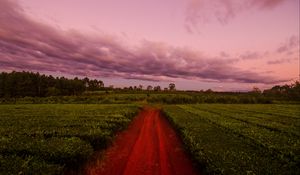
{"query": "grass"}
[(240, 139), (50, 138)]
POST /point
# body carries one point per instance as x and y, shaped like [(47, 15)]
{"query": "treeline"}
[(22, 84), (28, 84), (285, 92)]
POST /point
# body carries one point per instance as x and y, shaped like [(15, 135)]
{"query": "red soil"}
[(148, 147)]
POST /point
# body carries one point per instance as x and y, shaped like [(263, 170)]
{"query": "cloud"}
[(224, 54), (283, 60), (204, 11), (27, 44), (289, 45), (250, 55), (265, 3)]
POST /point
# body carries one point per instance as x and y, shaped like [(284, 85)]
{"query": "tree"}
[(93, 85), (256, 90), (111, 87), (21, 84), (157, 88), (172, 87), (53, 91), (100, 84), (149, 88), (2, 83), (86, 82), (287, 92), (294, 92), (209, 91)]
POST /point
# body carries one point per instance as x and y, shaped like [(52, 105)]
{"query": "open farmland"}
[(240, 139), (50, 138)]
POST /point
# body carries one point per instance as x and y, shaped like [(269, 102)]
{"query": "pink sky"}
[(198, 44)]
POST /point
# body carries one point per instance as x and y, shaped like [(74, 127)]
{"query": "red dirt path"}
[(148, 147)]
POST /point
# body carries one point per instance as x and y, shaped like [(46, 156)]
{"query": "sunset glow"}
[(224, 45)]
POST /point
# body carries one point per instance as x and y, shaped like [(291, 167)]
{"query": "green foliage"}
[(26, 87), (52, 138), (125, 98), (21, 84), (13, 164), (193, 98), (240, 139), (285, 92)]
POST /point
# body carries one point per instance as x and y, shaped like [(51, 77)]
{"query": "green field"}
[(222, 138), (240, 139), (51, 138)]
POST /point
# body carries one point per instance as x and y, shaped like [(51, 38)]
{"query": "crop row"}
[(227, 141), (50, 139), (273, 123)]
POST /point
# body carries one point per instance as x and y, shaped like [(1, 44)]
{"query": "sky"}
[(224, 45)]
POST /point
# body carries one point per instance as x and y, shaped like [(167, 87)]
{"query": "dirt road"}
[(148, 147)]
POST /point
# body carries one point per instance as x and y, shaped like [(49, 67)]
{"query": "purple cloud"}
[(26, 44), (289, 45), (251, 55), (283, 60), (203, 11)]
